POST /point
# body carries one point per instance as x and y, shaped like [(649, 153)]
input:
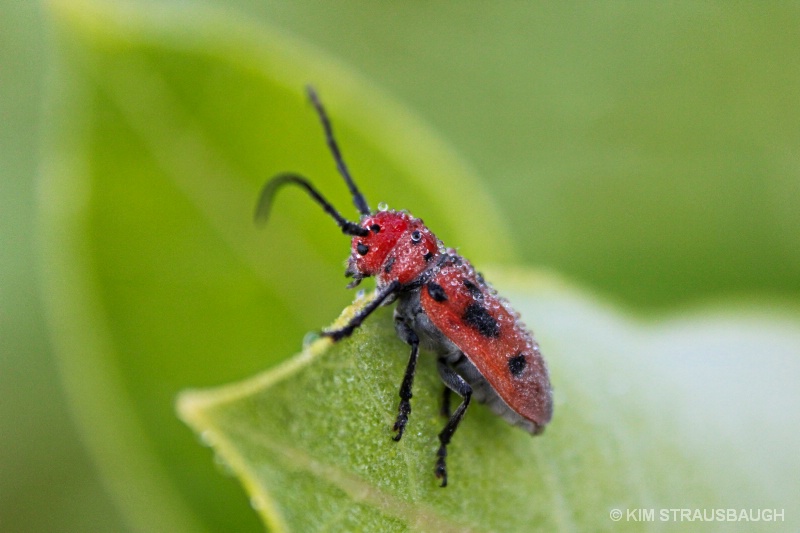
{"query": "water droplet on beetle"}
[(383, 206)]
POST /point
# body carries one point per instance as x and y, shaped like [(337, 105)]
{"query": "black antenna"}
[(268, 193), (358, 198)]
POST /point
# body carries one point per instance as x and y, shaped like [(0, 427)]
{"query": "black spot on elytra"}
[(362, 248), (376, 228), (389, 264), (428, 255), (517, 364), (437, 292), (476, 316), (473, 289)]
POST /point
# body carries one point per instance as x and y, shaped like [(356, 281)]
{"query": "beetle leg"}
[(445, 412), (457, 384), (409, 336), (385, 292)]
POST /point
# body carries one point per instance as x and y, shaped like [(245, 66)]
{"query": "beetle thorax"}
[(398, 247)]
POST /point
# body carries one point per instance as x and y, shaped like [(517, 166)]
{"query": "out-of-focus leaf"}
[(163, 125), (647, 149)]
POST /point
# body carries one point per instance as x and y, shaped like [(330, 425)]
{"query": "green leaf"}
[(162, 126), (631, 146), (690, 413)]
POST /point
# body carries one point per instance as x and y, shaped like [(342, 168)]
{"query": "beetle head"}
[(397, 247)]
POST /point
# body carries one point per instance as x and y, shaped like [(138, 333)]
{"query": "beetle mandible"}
[(484, 351)]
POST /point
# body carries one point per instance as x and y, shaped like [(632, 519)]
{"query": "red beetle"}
[(483, 349)]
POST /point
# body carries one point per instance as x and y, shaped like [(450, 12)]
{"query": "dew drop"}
[(383, 206), (207, 438), (223, 465), (255, 503), (310, 338), (360, 295)]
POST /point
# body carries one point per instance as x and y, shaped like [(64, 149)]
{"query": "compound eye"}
[(416, 236), (376, 228), (362, 248)]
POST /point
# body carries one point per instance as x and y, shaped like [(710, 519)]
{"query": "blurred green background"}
[(649, 152)]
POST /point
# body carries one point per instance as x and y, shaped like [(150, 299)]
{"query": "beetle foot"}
[(402, 419), (441, 467)]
